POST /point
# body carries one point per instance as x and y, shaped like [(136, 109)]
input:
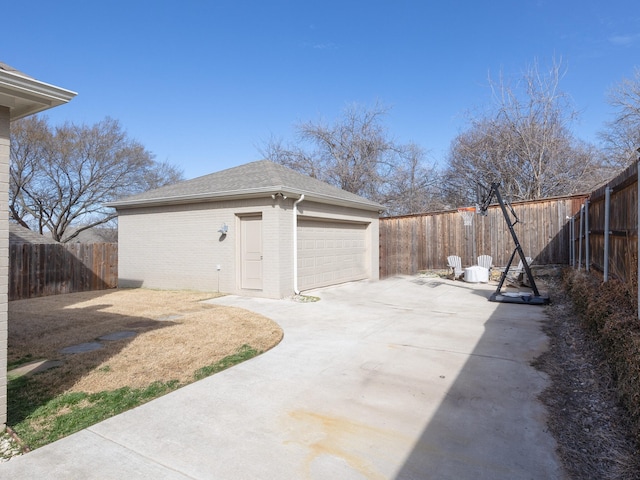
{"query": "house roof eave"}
[(244, 194), (25, 95)]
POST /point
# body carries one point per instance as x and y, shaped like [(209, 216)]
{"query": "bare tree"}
[(61, 177), (622, 135), (29, 140), (356, 154), (523, 142), (159, 175), (413, 186)]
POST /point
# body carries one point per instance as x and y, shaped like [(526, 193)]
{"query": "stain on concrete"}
[(338, 438)]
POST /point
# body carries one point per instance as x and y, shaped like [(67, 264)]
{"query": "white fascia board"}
[(245, 193), (194, 198), (26, 96), (331, 200)]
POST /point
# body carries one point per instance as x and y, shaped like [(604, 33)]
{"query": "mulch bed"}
[(591, 427)]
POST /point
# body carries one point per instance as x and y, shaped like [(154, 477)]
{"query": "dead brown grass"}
[(176, 335)]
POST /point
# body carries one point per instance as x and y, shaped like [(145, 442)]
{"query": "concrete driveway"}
[(405, 378)]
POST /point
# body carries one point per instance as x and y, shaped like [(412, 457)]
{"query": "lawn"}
[(171, 339)]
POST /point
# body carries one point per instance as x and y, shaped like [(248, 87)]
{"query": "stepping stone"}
[(169, 317), (117, 336), (34, 367), (143, 324), (82, 348)]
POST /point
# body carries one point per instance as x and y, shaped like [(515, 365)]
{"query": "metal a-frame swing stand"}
[(526, 298)]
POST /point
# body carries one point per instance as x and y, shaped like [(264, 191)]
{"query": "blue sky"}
[(202, 84)]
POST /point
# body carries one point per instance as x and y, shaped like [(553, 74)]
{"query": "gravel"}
[(8, 447)]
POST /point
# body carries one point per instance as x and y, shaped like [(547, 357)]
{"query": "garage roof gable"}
[(255, 179)]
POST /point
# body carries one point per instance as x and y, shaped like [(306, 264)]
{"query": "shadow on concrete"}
[(478, 431), (472, 287)]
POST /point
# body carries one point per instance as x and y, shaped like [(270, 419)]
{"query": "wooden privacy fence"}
[(37, 270), (605, 231), (412, 243)]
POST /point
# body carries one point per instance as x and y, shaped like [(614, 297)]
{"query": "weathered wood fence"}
[(37, 270), (412, 243), (617, 204)]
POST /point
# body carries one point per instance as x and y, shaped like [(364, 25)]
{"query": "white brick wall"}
[(178, 247), (4, 258)]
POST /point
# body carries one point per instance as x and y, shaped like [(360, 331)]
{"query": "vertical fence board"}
[(38, 270), (412, 243), (623, 228)]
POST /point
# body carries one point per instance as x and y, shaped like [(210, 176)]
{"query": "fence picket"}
[(412, 243), (38, 270), (623, 227)]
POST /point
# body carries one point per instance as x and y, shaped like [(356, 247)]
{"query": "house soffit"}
[(25, 96), (258, 193)]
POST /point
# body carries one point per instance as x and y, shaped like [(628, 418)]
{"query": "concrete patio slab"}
[(34, 367), (405, 378)]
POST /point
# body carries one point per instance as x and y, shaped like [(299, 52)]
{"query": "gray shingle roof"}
[(9, 68), (245, 181), (94, 235), (19, 235)]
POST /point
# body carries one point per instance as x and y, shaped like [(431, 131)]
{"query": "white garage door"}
[(330, 253)]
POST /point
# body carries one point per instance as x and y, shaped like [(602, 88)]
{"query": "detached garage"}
[(259, 229), (331, 252)]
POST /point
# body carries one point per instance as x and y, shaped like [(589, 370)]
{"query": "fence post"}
[(572, 241), (580, 237), (607, 205), (586, 235), (638, 232)]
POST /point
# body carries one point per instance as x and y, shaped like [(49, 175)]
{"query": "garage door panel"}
[(330, 253)]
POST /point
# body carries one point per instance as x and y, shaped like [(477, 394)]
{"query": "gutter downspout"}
[(295, 244)]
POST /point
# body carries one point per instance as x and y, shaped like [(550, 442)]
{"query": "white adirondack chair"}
[(455, 264), (485, 261)]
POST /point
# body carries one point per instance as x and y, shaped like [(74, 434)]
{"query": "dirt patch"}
[(198, 335), (593, 430)]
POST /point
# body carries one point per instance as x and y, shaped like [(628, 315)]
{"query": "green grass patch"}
[(245, 352), (39, 418)]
